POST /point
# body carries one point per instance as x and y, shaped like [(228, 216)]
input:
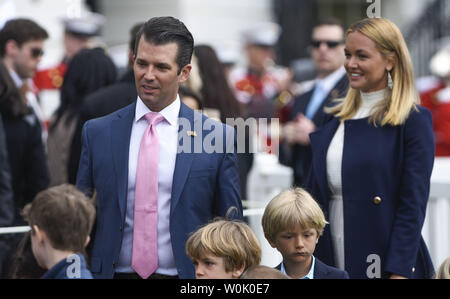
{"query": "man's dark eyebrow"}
[(164, 65), (140, 60)]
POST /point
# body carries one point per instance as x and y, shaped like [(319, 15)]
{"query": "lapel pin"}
[(192, 133)]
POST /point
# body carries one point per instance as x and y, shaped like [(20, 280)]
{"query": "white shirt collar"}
[(170, 113), (331, 80), (310, 274), (17, 80)]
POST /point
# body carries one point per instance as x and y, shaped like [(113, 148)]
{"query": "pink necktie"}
[(145, 240)]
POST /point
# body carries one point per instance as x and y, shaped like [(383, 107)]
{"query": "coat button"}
[(377, 200)]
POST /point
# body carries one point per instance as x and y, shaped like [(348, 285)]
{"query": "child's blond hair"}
[(232, 240), (291, 208), (444, 270)]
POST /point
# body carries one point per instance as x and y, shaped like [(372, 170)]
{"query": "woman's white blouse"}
[(334, 175)]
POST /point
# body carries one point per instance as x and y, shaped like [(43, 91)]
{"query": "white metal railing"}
[(14, 230), (436, 228)]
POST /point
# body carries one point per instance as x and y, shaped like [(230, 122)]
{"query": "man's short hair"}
[(64, 214), (329, 21), (290, 208), (164, 30), (133, 34), (21, 31)]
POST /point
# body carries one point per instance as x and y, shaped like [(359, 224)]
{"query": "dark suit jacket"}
[(100, 103), (393, 163), (6, 192), (27, 160), (322, 271), (6, 196), (205, 185), (73, 267), (300, 156)]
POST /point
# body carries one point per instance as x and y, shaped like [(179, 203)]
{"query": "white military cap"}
[(227, 52), (264, 34), (88, 24), (440, 61)]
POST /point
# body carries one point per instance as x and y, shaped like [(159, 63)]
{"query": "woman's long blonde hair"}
[(395, 109)]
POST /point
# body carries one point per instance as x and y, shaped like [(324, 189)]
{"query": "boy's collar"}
[(310, 274)]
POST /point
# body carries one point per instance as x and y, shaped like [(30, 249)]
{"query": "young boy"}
[(223, 249), (61, 219), (292, 223)]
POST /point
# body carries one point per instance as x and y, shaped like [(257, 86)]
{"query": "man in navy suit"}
[(195, 184), (307, 113)]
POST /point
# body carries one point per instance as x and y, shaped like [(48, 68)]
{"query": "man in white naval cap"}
[(78, 33), (260, 83)]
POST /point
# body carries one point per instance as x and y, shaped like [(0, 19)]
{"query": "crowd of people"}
[(103, 184)]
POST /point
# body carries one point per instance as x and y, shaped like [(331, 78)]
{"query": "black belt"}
[(136, 276)]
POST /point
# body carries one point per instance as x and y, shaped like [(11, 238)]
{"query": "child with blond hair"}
[(223, 249), (292, 223)]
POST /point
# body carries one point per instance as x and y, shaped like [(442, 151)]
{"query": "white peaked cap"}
[(265, 34), (440, 62), (88, 24)]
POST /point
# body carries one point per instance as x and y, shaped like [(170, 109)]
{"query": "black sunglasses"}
[(330, 44), (37, 52)]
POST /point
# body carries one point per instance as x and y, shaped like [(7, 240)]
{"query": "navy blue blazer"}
[(73, 267), (322, 271), (205, 184), (385, 185)]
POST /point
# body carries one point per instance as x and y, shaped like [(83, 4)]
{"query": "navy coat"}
[(385, 184), (205, 185), (322, 271)]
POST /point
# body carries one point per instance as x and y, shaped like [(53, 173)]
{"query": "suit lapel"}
[(120, 145), (320, 271), (320, 140), (184, 160)]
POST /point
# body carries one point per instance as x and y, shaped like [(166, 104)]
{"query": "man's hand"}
[(298, 130)]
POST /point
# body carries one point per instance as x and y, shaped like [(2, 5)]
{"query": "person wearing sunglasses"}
[(327, 53), (21, 50)]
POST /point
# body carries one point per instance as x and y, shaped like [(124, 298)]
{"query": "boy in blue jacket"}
[(292, 223), (61, 219)]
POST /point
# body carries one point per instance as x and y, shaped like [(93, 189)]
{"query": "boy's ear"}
[(39, 234), (238, 272), (88, 239)]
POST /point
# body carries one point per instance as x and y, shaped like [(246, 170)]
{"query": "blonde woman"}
[(372, 161)]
